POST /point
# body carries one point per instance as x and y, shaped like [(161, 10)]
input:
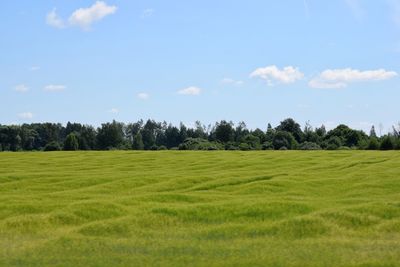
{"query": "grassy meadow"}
[(217, 208)]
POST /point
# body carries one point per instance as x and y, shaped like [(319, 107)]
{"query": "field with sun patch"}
[(217, 208)]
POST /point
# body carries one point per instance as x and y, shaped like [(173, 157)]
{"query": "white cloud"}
[(54, 88), (340, 78), (22, 88), (84, 17), (114, 111), (34, 68), (231, 81), (192, 90), (272, 73), (54, 20), (25, 115), (147, 13), (143, 96)]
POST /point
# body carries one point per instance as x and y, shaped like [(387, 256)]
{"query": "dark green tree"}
[(138, 142), (224, 131), (387, 143), (110, 135), (283, 139), (52, 146), (71, 143), (289, 125)]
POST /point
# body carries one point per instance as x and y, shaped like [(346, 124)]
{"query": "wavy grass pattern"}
[(217, 208)]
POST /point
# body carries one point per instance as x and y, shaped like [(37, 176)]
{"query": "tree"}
[(387, 143), (240, 132), (138, 142), (284, 139), (347, 136), (224, 131), (289, 125), (87, 138), (269, 135), (333, 143), (110, 135), (252, 141), (373, 144), (372, 132), (71, 142), (173, 137)]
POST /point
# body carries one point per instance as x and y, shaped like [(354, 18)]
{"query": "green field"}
[(276, 208)]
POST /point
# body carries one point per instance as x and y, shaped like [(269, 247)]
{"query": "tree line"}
[(223, 135)]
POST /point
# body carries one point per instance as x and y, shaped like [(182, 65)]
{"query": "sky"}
[(258, 61)]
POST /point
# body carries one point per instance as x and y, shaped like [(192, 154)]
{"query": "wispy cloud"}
[(192, 90), (54, 20), (231, 82), (21, 88), (34, 68), (82, 17), (54, 88), (147, 13), (340, 78), (273, 74), (143, 96), (25, 115)]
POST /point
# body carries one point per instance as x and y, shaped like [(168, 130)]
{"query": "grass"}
[(277, 208)]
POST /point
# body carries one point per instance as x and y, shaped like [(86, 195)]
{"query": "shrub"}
[(373, 144), (284, 139), (162, 148), (387, 143), (199, 144), (244, 146), (231, 146), (333, 143), (52, 146), (267, 146), (309, 146)]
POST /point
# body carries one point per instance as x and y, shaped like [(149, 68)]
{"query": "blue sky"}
[(327, 62)]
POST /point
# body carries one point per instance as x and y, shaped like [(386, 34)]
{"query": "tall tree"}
[(138, 142), (224, 131), (290, 126), (71, 142), (110, 135)]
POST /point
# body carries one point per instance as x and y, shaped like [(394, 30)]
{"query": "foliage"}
[(199, 144), (309, 146), (52, 146), (387, 143), (138, 142), (284, 139), (71, 142), (152, 135)]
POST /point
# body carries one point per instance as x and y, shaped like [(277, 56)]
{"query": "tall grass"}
[(277, 208)]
